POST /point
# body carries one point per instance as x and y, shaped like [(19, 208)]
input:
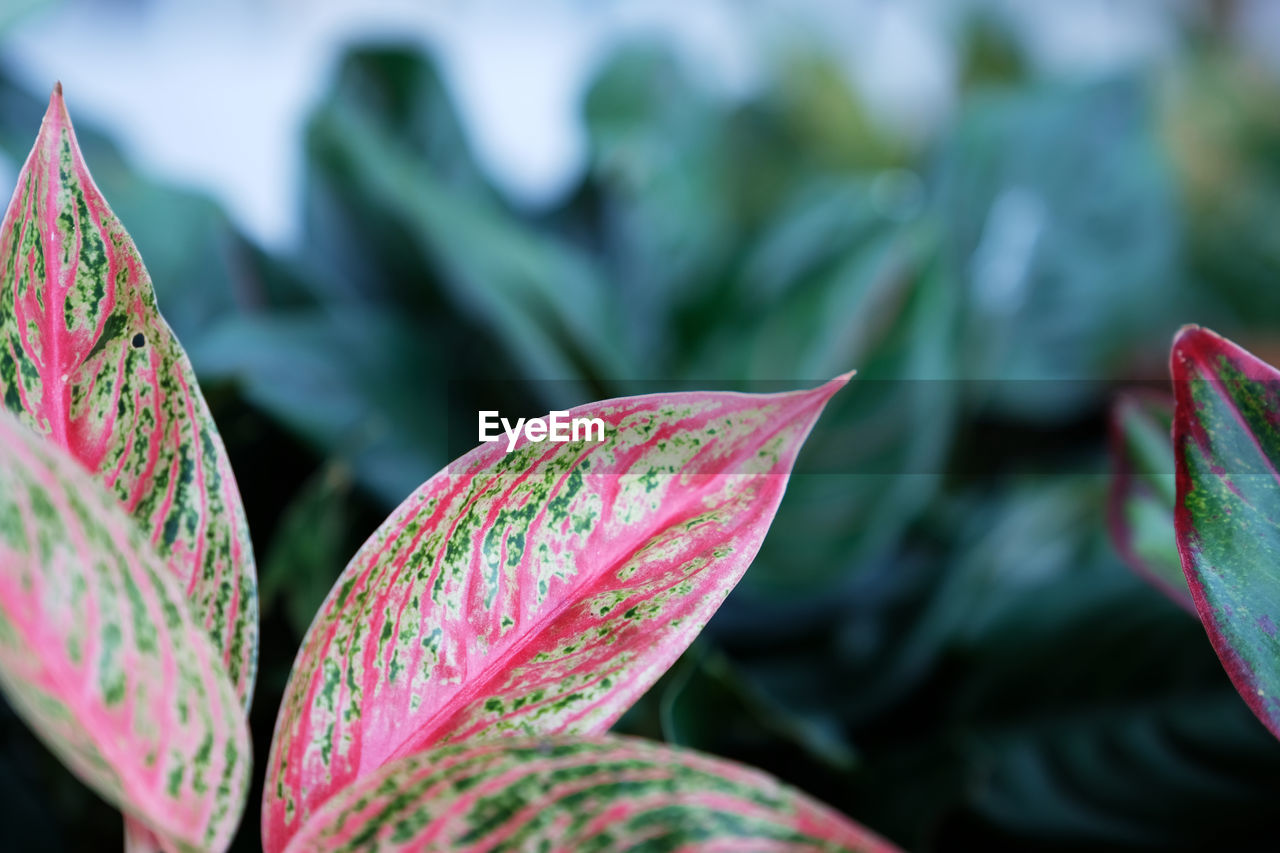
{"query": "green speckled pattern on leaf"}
[(586, 796), (534, 592), (87, 360), (1227, 445), (100, 655)]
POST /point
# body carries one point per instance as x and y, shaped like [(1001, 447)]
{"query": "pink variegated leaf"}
[(100, 654), (87, 361), (569, 794), (539, 591)]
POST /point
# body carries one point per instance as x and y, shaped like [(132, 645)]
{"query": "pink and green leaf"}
[(100, 655), (1141, 500), (1226, 436), (87, 361), (584, 795), (534, 592)]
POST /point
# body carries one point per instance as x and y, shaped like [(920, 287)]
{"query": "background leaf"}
[(608, 794), (544, 300), (537, 591), (312, 538), (1141, 501), (1031, 217), (101, 656), (340, 382)]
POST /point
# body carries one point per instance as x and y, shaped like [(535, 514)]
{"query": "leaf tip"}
[(832, 386), (1188, 329), (57, 106), (1202, 353), (828, 390), (1191, 334), (1190, 343), (56, 116), (814, 400), (817, 398)]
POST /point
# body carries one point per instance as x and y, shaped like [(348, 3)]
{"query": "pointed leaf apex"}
[(1189, 342), (56, 118), (1199, 352), (57, 106), (809, 404), (827, 390), (1192, 335)]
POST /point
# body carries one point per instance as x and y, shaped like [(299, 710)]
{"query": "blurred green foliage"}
[(937, 636)]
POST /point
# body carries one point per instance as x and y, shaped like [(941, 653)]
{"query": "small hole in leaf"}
[(139, 341)]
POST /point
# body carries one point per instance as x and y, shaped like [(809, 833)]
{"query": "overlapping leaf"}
[(1140, 503), (533, 592), (1226, 436), (589, 795), (87, 360), (102, 657)]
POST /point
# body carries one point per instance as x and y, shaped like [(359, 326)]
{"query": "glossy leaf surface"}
[(1141, 499), (87, 360), (1226, 437), (534, 592), (595, 795), (100, 654)]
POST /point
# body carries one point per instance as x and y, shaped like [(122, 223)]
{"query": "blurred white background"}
[(213, 95)]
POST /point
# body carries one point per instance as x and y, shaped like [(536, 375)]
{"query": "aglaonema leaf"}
[(538, 591), (1226, 437), (101, 655), (87, 361), (564, 794), (1142, 494)]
